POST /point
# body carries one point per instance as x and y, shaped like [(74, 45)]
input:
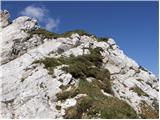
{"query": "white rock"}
[(69, 103), (104, 93), (111, 41), (112, 68), (76, 51), (90, 79), (103, 45)]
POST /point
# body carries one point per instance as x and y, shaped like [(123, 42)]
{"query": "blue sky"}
[(133, 25)]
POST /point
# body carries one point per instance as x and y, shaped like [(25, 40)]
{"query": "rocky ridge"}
[(49, 75)]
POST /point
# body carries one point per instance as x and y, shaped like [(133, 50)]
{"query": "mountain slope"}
[(70, 75)]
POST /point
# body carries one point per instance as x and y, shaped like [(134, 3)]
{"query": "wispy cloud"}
[(42, 15), (51, 23)]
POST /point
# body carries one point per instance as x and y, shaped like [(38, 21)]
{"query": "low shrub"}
[(77, 70), (63, 95), (105, 85), (44, 33), (71, 113), (67, 94), (103, 74), (84, 104), (58, 107), (49, 62)]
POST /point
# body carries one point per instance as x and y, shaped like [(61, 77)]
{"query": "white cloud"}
[(42, 15), (51, 23), (35, 12)]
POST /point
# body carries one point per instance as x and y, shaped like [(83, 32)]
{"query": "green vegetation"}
[(140, 80), (87, 65), (84, 66), (50, 35), (81, 107), (148, 112), (58, 107), (139, 91), (142, 68), (80, 66), (97, 105), (67, 94), (49, 62), (83, 70), (102, 39), (84, 104), (71, 113), (46, 34)]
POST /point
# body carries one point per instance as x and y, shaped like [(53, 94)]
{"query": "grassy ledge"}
[(51, 35)]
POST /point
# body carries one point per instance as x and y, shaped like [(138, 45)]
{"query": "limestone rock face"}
[(29, 89), (4, 18), (16, 39)]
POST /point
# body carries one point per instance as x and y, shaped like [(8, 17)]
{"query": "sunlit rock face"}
[(4, 18), (72, 75)]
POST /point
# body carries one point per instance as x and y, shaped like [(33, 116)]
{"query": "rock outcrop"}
[(72, 75), (4, 18)]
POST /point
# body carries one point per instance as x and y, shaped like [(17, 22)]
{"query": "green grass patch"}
[(96, 105)]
